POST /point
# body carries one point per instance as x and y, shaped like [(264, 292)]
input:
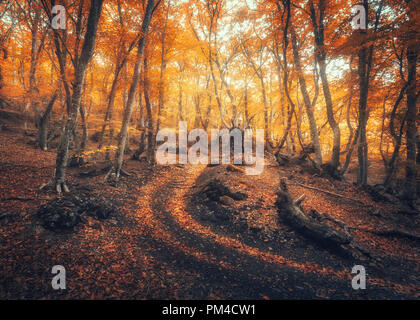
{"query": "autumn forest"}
[(314, 104)]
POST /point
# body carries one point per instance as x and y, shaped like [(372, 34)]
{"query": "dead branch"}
[(328, 192), (233, 168), (395, 233)]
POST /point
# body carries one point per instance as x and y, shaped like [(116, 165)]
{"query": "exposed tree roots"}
[(112, 172), (58, 185)]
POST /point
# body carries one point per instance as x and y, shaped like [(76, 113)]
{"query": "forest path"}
[(216, 263), (157, 246)]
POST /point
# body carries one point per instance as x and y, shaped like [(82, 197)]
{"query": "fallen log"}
[(313, 226), (294, 215)]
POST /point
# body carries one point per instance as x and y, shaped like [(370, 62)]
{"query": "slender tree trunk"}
[(132, 92), (150, 131), (246, 111), (198, 117), (36, 47), (84, 128), (287, 137), (79, 77), (43, 123), (205, 122), (362, 147), (365, 55), (352, 140), (163, 63), (411, 169), (180, 107), (335, 158), (110, 106), (318, 28), (348, 122), (287, 122), (267, 134), (141, 125), (391, 166), (350, 153), (216, 92), (308, 105)]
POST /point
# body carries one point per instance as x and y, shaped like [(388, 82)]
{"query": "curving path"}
[(215, 261)]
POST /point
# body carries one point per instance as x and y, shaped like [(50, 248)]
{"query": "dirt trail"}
[(222, 262), (158, 247)]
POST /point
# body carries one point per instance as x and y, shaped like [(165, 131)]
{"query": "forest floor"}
[(167, 243)]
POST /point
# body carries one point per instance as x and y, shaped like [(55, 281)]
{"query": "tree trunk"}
[(391, 165), (132, 92), (84, 128), (308, 105), (180, 107), (335, 158), (267, 134), (59, 180), (43, 123), (150, 131), (36, 47), (352, 140), (198, 118), (110, 106), (365, 55), (318, 30), (411, 169), (362, 147), (163, 63)]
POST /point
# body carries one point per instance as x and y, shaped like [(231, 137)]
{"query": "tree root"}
[(116, 174), (23, 199), (110, 173), (58, 186)]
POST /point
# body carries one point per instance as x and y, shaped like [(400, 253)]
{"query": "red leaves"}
[(130, 259)]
